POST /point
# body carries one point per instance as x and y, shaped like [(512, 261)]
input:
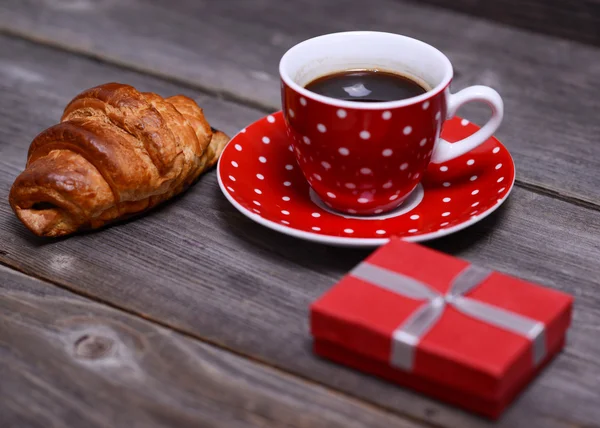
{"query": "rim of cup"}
[(283, 72)]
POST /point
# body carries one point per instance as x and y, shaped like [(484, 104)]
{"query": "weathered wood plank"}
[(70, 362), (233, 47), (198, 266), (572, 19)]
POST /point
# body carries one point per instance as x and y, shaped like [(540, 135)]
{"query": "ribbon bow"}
[(407, 336)]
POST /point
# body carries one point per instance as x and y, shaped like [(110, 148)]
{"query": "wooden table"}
[(193, 316)]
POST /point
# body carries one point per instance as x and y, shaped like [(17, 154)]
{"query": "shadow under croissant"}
[(38, 241)]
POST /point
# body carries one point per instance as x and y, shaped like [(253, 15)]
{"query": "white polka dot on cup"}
[(499, 166), (446, 184), (258, 191), (446, 214), (317, 176), (344, 151), (284, 212), (438, 115), (303, 101), (306, 140), (365, 135), (393, 197), (380, 232), (496, 150), (387, 185), (470, 162), (403, 166), (423, 142), (234, 164), (348, 231), (464, 122), (502, 190), (238, 147), (287, 183), (387, 152), (386, 115), (316, 215), (474, 204), (473, 178), (316, 228), (256, 203), (331, 195), (326, 165), (363, 200), (230, 189), (260, 176), (414, 217), (285, 222), (266, 140), (289, 167), (350, 185), (446, 199), (443, 168), (262, 159), (271, 119), (425, 105), (232, 178), (366, 171), (322, 128), (291, 112), (500, 180), (341, 113), (444, 224), (413, 230), (407, 130), (474, 192), (286, 198)]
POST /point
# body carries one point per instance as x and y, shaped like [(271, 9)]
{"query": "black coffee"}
[(366, 86)]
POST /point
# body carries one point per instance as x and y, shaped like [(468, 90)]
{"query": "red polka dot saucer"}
[(259, 175)]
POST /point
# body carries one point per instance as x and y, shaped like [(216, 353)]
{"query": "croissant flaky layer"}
[(116, 152)]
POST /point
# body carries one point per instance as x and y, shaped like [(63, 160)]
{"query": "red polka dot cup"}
[(366, 158)]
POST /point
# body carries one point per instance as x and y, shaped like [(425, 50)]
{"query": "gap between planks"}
[(230, 96), (183, 332)]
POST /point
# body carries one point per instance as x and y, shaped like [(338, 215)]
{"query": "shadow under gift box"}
[(474, 341)]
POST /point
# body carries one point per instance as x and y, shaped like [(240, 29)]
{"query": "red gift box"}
[(432, 322)]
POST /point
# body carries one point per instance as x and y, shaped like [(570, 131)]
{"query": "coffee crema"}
[(364, 85)]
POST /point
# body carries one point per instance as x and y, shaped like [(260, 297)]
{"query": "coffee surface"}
[(366, 86)]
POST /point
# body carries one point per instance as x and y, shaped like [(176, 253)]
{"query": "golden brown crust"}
[(194, 116), (218, 142), (117, 152)]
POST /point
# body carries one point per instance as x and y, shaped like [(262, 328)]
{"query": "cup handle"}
[(445, 151)]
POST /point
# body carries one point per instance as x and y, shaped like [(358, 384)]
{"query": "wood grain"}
[(573, 19), (233, 47), (198, 266), (69, 362)]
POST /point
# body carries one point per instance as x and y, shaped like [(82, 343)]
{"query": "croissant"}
[(117, 152)]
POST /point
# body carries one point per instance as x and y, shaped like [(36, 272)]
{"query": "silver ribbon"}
[(407, 336)]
